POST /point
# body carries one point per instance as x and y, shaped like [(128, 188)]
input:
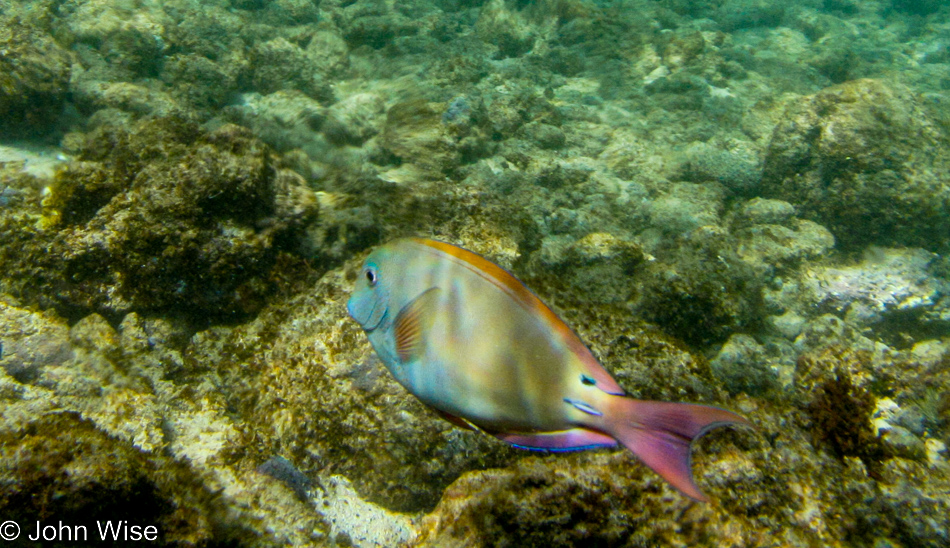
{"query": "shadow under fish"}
[(285, 472)]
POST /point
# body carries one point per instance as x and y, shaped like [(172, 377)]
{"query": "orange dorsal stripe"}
[(518, 291)]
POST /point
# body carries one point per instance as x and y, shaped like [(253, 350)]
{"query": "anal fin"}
[(575, 439)]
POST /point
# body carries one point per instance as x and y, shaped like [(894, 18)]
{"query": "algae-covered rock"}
[(202, 83), (61, 467), (770, 246), (328, 52), (764, 211), (545, 135), (506, 29), (740, 14), (903, 443), (355, 119), (134, 50), (120, 101), (279, 64), (34, 79), (738, 170), (687, 206), (841, 420), (599, 265), (764, 492), (115, 429), (285, 120), (892, 292), (831, 359), (30, 342), (561, 501), (166, 216), (865, 160), (649, 364), (375, 24), (701, 291), (741, 366), (414, 133)]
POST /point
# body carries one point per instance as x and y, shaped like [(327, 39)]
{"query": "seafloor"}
[(738, 202)]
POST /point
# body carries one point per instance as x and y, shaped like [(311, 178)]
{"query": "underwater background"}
[(744, 203)]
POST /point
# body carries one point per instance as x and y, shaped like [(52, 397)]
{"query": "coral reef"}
[(702, 291), (34, 79), (863, 159), (166, 216), (742, 203)]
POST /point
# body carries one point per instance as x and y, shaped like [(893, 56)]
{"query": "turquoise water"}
[(740, 203)]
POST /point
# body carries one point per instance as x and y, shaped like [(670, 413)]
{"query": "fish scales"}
[(471, 341)]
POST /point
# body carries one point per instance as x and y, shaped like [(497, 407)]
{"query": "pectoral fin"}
[(413, 322)]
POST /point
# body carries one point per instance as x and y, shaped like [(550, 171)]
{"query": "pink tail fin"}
[(660, 435)]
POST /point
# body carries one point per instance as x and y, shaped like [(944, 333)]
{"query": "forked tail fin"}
[(660, 434)]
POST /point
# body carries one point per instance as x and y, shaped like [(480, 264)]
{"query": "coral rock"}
[(864, 159), (34, 79)]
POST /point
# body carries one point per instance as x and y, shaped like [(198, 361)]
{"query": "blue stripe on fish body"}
[(558, 449)]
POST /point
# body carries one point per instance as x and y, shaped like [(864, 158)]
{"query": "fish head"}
[(369, 301)]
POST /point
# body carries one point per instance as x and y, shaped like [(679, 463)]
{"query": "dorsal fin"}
[(413, 321), (519, 292)]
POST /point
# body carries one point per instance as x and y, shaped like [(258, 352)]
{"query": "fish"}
[(472, 342)]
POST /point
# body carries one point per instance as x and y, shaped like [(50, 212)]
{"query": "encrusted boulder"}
[(863, 159), (168, 216), (34, 79)]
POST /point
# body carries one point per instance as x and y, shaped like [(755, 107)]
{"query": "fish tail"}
[(660, 434)]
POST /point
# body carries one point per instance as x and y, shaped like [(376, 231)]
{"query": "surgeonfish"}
[(471, 341)]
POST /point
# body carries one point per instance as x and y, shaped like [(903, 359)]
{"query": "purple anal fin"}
[(575, 439)]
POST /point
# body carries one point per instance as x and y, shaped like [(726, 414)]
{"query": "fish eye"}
[(371, 276)]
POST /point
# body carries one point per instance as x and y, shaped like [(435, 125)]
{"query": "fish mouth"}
[(365, 320)]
